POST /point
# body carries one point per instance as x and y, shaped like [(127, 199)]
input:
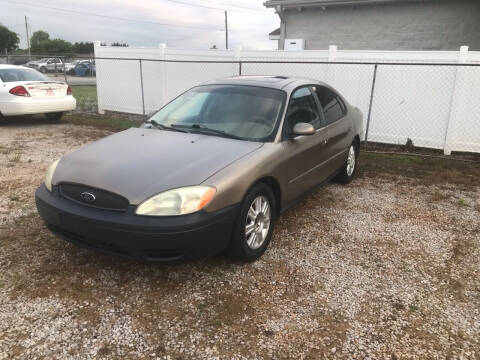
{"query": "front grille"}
[(102, 199)]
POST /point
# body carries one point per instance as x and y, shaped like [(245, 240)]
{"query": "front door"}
[(306, 154)]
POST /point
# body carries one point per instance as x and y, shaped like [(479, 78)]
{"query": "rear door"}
[(305, 154), (338, 125)]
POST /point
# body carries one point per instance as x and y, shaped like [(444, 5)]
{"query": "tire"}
[(248, 248), (54, 117), (43, 70), (347, 173)]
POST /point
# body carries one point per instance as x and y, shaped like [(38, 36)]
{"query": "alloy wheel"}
[(258, 222), (351, 160)]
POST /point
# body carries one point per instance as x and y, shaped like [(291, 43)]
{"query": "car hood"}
[(139, 163)]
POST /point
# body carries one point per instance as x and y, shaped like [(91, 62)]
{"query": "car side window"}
[(302, 108), (332, 105)]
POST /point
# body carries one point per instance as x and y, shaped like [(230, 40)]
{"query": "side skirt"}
[(308, 192)]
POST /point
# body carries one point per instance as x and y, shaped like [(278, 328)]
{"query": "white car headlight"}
[(49, 174), (179, 201)]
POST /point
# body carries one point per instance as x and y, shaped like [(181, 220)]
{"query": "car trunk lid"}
[(46, 89)]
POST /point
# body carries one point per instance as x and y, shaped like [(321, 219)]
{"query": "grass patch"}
[(86, 96), (430, 170), (100, 122), (461, 202)]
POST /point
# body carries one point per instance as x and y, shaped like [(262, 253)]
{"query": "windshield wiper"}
[(164, 127), (202, 128)]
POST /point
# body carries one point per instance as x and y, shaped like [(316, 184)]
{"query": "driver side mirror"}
[(302, 129)]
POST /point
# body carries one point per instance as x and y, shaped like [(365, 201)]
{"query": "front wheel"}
[(254, 226), (54, 117), (43, 70), (348, 171)]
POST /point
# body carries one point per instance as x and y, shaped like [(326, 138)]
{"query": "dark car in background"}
[(85, 68)]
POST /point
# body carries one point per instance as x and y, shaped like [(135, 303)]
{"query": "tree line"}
[(40, 43)]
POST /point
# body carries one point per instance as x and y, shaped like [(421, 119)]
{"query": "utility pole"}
[(28, 37), (226, 30)]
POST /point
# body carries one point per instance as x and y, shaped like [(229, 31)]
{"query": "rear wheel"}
[(54, 117), (348, 171), (254, 226)]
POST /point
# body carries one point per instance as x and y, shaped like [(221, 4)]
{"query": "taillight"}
[(19, 91), (69, 91)]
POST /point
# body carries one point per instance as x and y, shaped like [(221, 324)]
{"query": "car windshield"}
[(18, 74), (246, 112)]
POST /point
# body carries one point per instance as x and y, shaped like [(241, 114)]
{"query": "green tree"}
[(59, 46), (8, 39), (39, 42), (83, 47)]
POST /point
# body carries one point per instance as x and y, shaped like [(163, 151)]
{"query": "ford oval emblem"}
[(87, 197)]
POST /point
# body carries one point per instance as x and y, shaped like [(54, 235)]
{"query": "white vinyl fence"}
[(430, 97)]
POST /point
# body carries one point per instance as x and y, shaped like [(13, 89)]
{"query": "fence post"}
[(98, 77), (141, 85), (163, 74), (330, 71), (64, 69), (332, 53), (237, 54), (371, 102), (447, 145)]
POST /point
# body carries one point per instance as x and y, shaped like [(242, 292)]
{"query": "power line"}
[(246, 9), (115, 17), (240, 7)]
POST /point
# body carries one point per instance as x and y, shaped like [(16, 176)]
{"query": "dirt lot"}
[(384, 268)]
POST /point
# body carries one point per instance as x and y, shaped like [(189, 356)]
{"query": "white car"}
[(46, 65), (70, 66), (26, 91)]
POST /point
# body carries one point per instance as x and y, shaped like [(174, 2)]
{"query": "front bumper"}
[(31, 105), (156, 239)]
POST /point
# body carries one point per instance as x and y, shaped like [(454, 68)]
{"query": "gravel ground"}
[(384, 268)]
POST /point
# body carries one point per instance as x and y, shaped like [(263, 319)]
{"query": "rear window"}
[(16, 74)]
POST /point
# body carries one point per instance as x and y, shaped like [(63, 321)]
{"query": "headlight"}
[(49, 175), (180, 201)]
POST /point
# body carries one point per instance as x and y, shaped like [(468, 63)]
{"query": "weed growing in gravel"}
[(412, 308), (461, 202), (438, 196)]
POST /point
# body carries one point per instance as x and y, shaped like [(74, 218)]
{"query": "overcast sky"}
[(247, 28)]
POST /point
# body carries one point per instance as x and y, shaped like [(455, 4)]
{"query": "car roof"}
[(271, 81)]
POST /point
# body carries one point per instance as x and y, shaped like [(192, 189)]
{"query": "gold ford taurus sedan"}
[(207, 173)]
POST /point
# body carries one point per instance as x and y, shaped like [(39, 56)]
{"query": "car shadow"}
[(24, 120)]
